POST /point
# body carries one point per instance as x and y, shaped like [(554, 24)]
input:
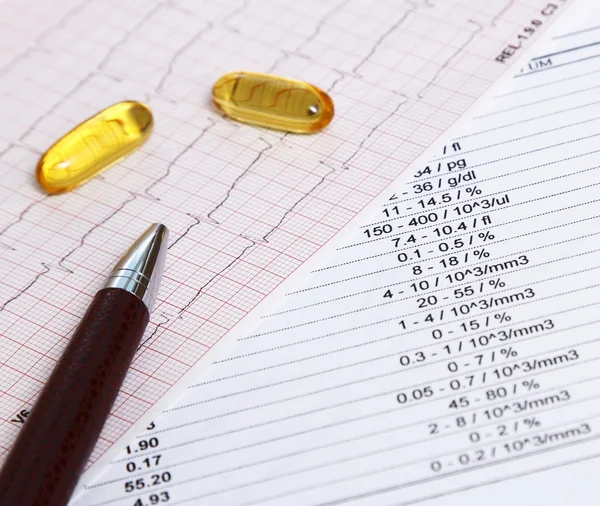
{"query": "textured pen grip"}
[(55, 443)]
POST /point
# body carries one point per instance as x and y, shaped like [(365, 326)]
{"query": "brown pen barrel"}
[(55, 443)]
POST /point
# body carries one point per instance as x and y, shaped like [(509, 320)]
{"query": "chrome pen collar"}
[(140, 270)]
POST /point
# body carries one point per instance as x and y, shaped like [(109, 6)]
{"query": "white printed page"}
[(447, 353), (245, 206)]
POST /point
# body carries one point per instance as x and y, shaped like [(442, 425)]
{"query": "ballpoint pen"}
[(55, 443)]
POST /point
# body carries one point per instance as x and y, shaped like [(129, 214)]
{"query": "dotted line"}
[(438, 240), (401, 282), (527, 120), (409, 314), (392, 268), (514, 140), (537, 150), (343, 441), (303, 341), (449, 221), (408, 350), (367, 361), (547, 83), (562, 95), (505, 174), (483, 199), (362, 417)]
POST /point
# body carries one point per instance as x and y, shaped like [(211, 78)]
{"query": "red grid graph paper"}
[(245, 206)]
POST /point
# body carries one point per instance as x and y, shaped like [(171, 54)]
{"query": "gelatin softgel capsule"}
[(273, 102), (93, 145)]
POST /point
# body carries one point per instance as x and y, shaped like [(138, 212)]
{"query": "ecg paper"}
[(245, 206), (450, 359)]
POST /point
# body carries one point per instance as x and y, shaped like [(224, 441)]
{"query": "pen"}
[(55, 443)]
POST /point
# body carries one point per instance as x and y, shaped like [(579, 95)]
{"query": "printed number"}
[(427, 301), (138, 484), (425, 187), (154, 499), (155, 479), (379, 230), (416, 395), (149, 462), (142, 445)]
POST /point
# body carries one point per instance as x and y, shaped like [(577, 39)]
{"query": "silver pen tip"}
[(140, 269)]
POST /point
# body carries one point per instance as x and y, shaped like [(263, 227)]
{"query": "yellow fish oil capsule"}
[(273, 102), (93, 145)]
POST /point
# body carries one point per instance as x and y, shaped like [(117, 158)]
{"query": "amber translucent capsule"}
[(94, 145), (273, 102)]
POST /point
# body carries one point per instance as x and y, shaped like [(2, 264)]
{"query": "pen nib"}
[(140, 269)]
